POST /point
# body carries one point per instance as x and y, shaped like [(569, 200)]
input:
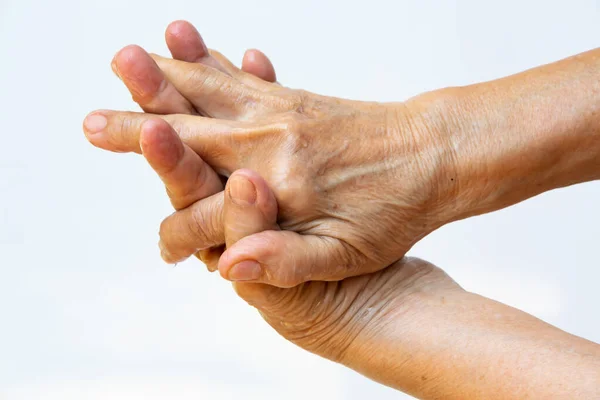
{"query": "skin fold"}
[(493, 151)]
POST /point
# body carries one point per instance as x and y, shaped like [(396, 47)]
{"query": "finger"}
[(286, 259), (210, 138), (217, 94), (210, 257), (195, 228), (256, 63), (186, 176), (250, 207), (186, 44), (147, 83), (258, 252), (247, 78)]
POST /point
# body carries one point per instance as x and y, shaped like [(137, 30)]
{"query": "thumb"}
[(257, 251), (287, 259), (249, 207)]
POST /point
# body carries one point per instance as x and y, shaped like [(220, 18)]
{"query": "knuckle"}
[(300, 100), (293, 191), (291, 123), (294, 178)]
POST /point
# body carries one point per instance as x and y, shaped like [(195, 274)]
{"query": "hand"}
[(324, 158), (155, 94), (409, 326), (337, 320)]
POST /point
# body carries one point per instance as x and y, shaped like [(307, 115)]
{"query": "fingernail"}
[(242, 191), (245, 271), (95, 123)]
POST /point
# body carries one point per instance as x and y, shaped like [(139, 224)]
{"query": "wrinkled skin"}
[(311, 315), (335, 166), (155, 94), (409, 325), (349, 321), (379, 324)]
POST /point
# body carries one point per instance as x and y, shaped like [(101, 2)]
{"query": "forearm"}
[(522, 135), (466, 346)]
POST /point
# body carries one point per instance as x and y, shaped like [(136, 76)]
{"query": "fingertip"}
[(256, 63), (153, 131), (185, 42), (160, 145), (128, 54), (134, 66), (94, 126), (177, 26), (180, 28), (95, 122)]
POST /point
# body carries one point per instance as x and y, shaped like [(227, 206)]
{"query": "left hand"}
[(325, 158), (409, 326)]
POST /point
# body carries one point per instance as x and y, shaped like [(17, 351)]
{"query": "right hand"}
[(409, 326), (343, 321)]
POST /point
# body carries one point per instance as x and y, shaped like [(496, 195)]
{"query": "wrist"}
[(394, 347), (522, 135), (434, 120), (433, 337)]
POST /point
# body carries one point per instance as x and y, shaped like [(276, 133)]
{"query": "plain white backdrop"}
[(87, 308)]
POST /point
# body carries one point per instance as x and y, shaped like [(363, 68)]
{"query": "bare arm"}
[(519, 136), (463, 346)]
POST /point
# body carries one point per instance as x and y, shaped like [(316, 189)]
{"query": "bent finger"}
[(195, 228), (186, 176), (147, 83)]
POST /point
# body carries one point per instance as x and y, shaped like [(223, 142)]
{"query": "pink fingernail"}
[(95, 123), (245, 271)]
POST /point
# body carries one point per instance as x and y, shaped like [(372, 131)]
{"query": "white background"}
[(87, 308)]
